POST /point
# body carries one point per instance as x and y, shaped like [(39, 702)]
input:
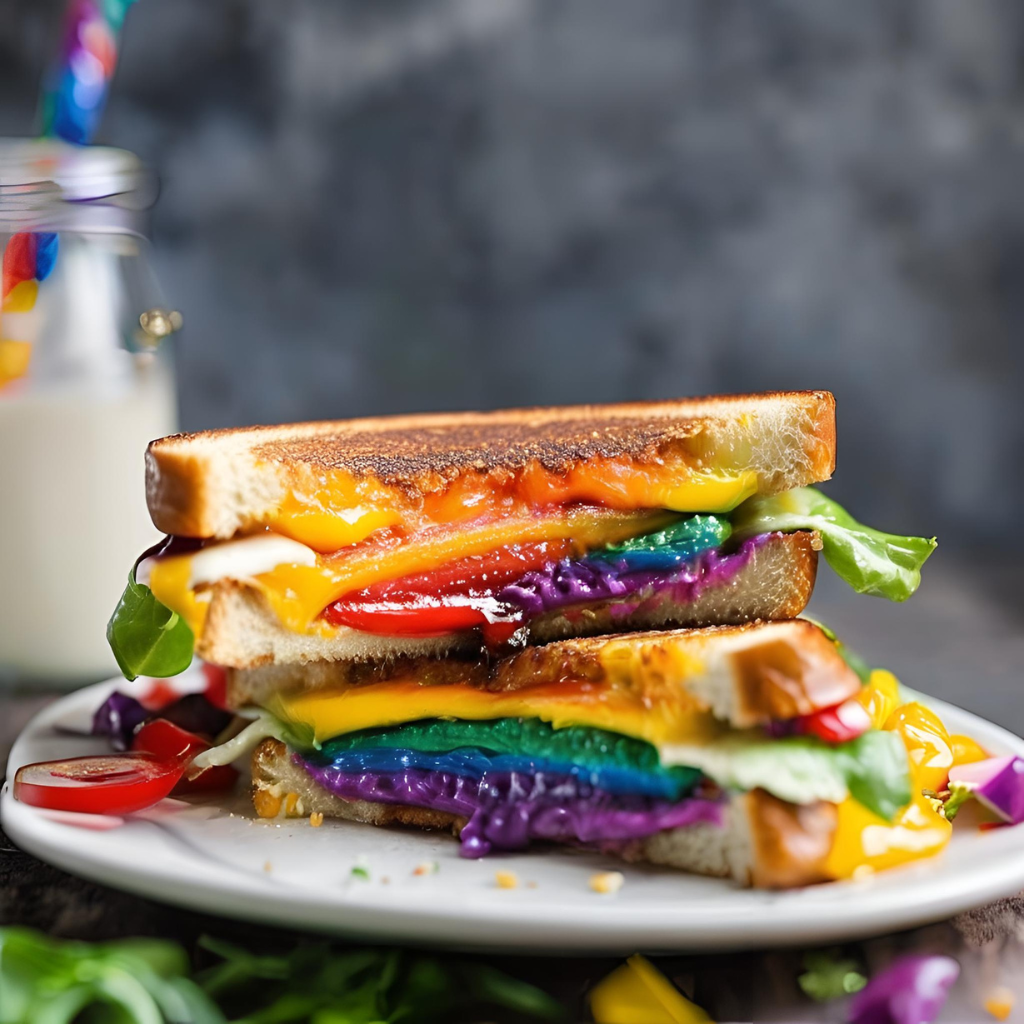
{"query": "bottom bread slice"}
[(763, 841)]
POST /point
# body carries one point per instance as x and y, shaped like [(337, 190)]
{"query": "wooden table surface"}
[(961, 638)]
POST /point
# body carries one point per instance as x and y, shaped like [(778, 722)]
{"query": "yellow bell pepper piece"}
[(638, 993), (928, 744), (880, 696)]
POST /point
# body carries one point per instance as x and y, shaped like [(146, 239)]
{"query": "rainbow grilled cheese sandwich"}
[(536, 626)]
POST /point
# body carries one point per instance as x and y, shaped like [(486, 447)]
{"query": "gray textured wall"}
[(435, 204)]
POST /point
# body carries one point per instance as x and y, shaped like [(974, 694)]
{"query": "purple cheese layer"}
[(572, 582), (506, 811)]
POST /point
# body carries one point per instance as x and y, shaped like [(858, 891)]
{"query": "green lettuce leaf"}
[(828, 976), (883, 564), (147, 638), (873, 768)]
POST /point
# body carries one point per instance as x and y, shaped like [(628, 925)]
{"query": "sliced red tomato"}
[(418, 620), (456, 597), (171, 743), (106, 784), (168, 741), (837, 724)]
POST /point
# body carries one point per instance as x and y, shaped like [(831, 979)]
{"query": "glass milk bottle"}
[(85, 383)]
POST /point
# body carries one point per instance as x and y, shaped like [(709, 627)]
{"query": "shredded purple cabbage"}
[(912, 990), (571, 582), (507, 810), (117, 718)]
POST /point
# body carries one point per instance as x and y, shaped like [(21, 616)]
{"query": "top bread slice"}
[(215, 483)]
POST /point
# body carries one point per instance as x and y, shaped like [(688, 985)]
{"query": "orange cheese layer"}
[(299, 593), (333, 510)]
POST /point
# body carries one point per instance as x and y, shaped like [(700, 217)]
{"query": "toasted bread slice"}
[(216, 483), (241, 631), (764, 841), (745, 675)]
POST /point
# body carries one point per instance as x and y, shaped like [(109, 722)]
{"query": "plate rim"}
[(609, 926)]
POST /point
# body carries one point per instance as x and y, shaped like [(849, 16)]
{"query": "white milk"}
[(73, 516), (74, 427)]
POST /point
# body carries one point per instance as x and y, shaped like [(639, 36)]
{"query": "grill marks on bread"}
[(400, 456)]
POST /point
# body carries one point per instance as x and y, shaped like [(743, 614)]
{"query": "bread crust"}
[(763, 842), (241, 631), (214, 483)]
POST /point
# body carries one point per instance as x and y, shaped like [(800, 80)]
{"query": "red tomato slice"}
[(418, 620), (106, 784), (838, 724), (446, 600), (170, 742)]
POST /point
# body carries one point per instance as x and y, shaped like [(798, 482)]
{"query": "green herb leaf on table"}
[(147, 638), (828, 976), (141, 981), (317, 984), (135, 982), (872, 562)]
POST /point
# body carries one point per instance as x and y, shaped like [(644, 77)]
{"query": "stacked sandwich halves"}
[(570, 624)]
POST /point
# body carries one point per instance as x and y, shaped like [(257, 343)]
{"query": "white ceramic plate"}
[(219, 858)]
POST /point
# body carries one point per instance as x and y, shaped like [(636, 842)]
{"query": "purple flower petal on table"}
[(912, 990)]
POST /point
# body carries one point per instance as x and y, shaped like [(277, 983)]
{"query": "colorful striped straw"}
[(72, 104), (76, 88)]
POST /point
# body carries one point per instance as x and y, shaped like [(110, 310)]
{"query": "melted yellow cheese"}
[(630, 712), (326, 527), (336, 510), (169, 580)]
